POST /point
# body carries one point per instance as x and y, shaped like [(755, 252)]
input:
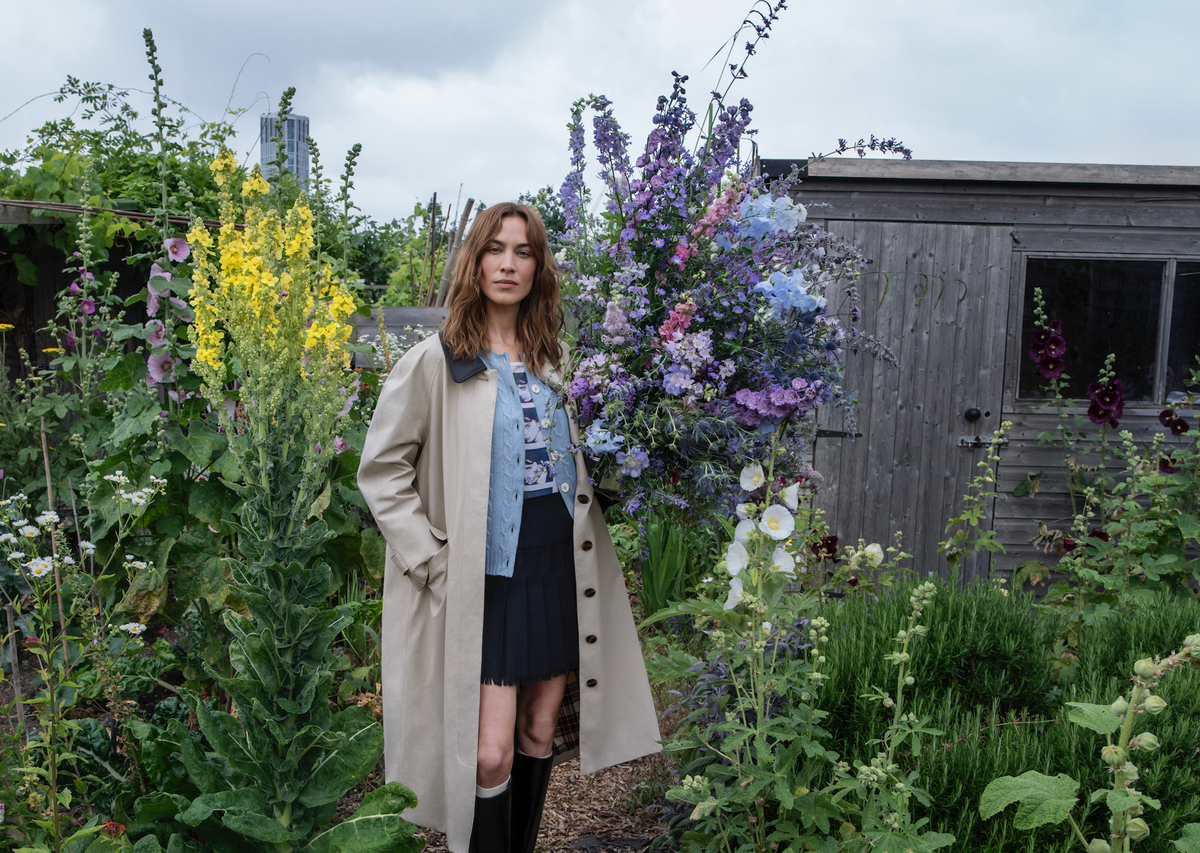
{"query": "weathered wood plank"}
[(982, 170), (1024, 212), (1167, 237)]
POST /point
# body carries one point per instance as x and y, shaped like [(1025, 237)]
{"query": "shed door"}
[(937, 296)]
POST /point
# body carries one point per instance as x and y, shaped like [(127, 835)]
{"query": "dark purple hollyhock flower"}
[(88, 306), (826, 549), (70, 339), (1165, 466), (1051, 368), (1037, 352), (1179, 426), (1040, 336), (1098, 415), (1166, 416), (1098, 534), (1055, 346), (1068, 545), (1107, 396)]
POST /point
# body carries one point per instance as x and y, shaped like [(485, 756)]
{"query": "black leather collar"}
[(461, 369)]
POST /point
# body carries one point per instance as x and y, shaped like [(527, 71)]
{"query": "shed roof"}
[(982, 170)]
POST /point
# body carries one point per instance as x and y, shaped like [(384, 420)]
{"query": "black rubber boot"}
[(530, 779), (492, 827)]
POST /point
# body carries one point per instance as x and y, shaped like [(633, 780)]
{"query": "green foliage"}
[(985, 647)]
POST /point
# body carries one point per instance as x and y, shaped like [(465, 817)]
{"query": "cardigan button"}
[(587, 544), (584, 499), (591, 682), (591, 638), (589, 592)]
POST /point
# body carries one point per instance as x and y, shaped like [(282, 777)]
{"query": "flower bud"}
[(1098, 845), (1194, 642), (1136, 829), (909, 680), (1146, 741), (1113, 755), (1131, 772), (1155, 704), (1119, 707), (1144, 668)]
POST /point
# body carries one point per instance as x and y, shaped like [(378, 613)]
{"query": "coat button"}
[(591, 638), (591, 682), (587, 544), (584, 499), (589, 592)]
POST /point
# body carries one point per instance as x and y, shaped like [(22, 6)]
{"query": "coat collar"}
[(461, 369)]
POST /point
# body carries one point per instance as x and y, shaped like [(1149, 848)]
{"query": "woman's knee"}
[(536, 728), (494, 760)]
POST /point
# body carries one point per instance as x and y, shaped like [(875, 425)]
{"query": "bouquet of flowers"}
[(703, 308)]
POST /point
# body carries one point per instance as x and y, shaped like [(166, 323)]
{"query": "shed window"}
[(1116, 306)]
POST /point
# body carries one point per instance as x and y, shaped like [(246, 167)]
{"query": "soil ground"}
[(600, 813)]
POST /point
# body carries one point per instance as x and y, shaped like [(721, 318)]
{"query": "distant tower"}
[(295, 131)]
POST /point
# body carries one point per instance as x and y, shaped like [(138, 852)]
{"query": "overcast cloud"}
[(477, 93)]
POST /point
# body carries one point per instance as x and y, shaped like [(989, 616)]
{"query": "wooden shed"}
[(956, 249)]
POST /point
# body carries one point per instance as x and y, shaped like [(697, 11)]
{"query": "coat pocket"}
[(432, 569)]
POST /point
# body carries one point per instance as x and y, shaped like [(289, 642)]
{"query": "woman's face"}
[(508, 265)]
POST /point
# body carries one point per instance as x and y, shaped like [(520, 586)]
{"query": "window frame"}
[(1166, 301)]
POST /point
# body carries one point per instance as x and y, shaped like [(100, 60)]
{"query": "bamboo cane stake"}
[(62, 613), (452, 255), (16, 671), (429, 229), (430, 293)]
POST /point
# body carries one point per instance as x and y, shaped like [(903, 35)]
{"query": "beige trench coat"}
[(424, 473)]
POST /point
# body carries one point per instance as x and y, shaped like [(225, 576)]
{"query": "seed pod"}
[(1113, 755), (1136, 829), (1098, 845), (1119, 707), (1155, 705), (1144, 668), (1146, 741)]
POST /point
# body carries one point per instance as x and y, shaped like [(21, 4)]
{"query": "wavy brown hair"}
[(539, 316)]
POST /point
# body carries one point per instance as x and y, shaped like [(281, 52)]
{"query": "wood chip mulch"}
[(600, 813)]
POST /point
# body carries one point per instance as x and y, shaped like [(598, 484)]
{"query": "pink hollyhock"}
[(152, 297), (340, 445), (158, 272), (158, 333), (88, 306), (177, 249), (74, 289), (161, 369), (70, 339)]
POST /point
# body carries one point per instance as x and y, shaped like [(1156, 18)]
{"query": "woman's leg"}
[(497, 719), (537, 715)]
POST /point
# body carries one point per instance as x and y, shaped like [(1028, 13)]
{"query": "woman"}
[(508, 643)]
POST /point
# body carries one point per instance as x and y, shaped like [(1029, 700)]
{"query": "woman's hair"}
[(539, 316)]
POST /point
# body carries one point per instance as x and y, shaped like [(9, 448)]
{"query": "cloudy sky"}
[(477, 94)]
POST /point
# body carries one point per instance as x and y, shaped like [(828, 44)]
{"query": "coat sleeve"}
[(387, 473)]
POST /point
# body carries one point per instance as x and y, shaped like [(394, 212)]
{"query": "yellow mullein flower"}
[(6, 327), (255, 184), (223, 167)]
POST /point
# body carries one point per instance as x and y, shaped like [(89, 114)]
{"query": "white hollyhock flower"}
[(784, 563), (874, 553), (752, 477), (777, 522), (791, 496), (735, 594), (742, 534), (736, 558), (745, 510)]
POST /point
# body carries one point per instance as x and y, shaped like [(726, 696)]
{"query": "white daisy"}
[(29, 530), (47, 518), (135, 628), (39, 567), (87, 547)]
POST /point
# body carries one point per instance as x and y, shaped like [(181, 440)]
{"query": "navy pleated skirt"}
[(530, 621)]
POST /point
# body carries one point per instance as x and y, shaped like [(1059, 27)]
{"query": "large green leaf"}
[(338, 770), (199, 444), (202, 771), (374, 828), (243, 811), (1043, 799), (1189, 526), (121, 376), (229, 740), (139, 417), (1098, 718), (1189, 842), (148, 592)]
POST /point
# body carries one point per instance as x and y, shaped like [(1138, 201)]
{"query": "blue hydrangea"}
[(600, 440), (785, 291)]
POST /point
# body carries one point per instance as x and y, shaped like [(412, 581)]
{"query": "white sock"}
[(543, 758), (488, 793)]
